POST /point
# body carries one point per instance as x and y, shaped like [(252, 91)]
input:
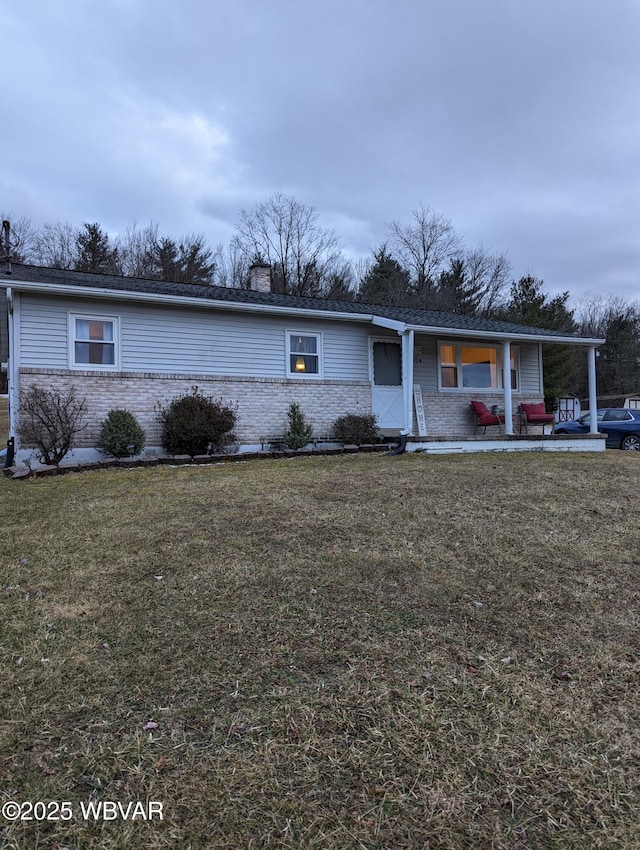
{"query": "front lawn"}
[(350, 652)]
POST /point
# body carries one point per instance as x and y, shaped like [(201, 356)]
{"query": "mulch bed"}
[(23, 473)]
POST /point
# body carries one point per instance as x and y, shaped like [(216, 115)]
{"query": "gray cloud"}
[(519, 121)]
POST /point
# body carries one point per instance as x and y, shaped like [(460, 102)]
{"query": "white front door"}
[(386, 390)]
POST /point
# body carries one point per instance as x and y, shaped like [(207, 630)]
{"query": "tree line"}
[(424, 263)]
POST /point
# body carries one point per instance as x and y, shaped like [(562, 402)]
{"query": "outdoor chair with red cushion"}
[(535, 414), (484, 417)]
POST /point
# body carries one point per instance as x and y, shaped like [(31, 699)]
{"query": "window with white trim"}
[(467, 366), (304, 353), (93, 342)]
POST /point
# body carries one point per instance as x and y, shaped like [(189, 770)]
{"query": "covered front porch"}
[(440, 371)]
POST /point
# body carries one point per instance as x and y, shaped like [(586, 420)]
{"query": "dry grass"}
[(353, 652)]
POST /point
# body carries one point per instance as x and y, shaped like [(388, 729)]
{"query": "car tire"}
[(631, 443)]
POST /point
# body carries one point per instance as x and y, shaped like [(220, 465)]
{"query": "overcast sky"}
[(517, 119)]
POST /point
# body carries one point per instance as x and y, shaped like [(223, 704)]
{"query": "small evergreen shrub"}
[(195, 423), (355, 429), (50, 421), (300, 430), (119, 431)]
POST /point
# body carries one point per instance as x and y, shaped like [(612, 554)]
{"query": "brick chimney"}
[(260, 277)]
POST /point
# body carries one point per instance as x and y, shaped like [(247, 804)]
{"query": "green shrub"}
[(50, 421), (355, 429), (195, 424), (121, 434), (300, 431)]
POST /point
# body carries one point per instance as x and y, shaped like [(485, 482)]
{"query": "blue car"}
[(620, 425)]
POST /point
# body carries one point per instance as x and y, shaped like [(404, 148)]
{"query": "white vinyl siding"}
[(4, 341), (44, 333), (190, 341), (161, 339), (425, 363), (530, 374)]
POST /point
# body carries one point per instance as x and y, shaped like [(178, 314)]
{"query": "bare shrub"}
[(50, 421), (356, 429)]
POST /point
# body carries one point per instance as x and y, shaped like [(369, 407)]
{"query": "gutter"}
[(502, 335), (208, 303)]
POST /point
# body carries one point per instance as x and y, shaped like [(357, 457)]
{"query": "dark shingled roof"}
[(407, 315)]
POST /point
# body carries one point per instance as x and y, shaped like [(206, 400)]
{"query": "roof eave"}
[(504, 336), (183, 300), (390, 324), (278, 310)]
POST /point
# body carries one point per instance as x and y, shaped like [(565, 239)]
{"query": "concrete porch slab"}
[(504, 443)]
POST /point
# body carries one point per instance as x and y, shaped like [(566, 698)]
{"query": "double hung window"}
[(93, 342), (303, 354)]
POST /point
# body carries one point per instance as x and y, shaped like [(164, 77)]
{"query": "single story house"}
[(133, 343)]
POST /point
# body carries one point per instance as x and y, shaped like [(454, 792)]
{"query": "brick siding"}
[(450, 415), (262, 402)]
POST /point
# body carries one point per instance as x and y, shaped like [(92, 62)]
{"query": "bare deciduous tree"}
[(232, 266), (340, 282), (425, 247), (361, 268), (596, 311), (613, 318), (23, 238), (488, 275), (287, 235), (56, 245), (135, 248)]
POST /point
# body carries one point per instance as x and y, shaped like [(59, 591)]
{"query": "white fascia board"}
[(185, 301), (391, 324), (501, 335)]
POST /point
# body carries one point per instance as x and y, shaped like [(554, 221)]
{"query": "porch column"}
[(506, 385), (593, 399), (407, 380)]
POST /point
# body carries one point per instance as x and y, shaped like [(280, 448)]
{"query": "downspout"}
[(13, 310), (593, 398), (506, 386)]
